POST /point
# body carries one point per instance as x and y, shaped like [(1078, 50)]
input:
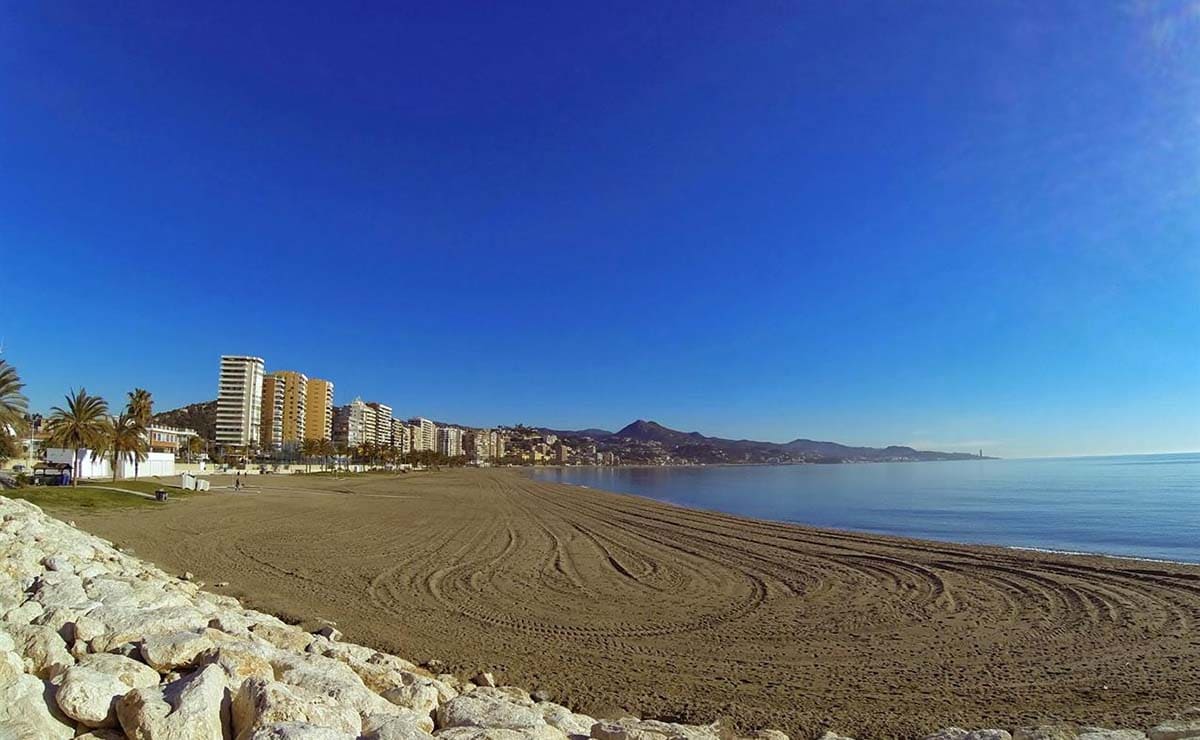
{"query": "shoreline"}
[(618, 603)]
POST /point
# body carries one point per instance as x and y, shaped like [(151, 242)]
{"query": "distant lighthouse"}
[(981, 453)]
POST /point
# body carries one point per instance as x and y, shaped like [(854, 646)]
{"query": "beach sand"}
[(616, 604)]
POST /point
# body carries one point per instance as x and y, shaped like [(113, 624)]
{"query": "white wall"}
[(157, 463)]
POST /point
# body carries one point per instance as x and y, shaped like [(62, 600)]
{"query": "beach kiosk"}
[(52, 474)]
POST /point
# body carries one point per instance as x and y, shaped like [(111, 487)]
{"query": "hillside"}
[(695, 444), (199, 416)]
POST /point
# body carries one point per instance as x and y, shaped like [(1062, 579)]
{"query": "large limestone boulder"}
[(191, 708), (389, 727), (1100, 733), (629, 728), (108, 627), (42, 648), (27, 705), (561, 718), (1045, 732), (1176, 729), (282, 636), (470, 710), (240, 661), (295, 731), (90, 690), (333, 679), (495, 733), (174, 650), (260, 703)]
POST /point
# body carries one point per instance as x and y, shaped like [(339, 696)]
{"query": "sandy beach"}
[(616, 604)]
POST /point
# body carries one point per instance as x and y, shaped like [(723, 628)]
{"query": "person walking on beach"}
[(237, 481)]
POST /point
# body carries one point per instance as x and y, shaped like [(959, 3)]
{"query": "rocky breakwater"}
[(95, 643)]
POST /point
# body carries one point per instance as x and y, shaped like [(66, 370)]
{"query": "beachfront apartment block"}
[(354, 424), (424, 434), (271, 434), (450, 441), (295, 396), (318, 410), (401, 436), (239, 401), (383, 423)]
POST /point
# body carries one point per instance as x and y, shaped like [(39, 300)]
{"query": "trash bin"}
[(160, 495)]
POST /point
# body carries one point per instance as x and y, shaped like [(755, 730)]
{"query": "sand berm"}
[(601, 606)]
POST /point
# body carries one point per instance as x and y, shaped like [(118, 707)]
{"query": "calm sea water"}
[(1145, 506)]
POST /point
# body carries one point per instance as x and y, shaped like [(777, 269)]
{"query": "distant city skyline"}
[(950, 227)]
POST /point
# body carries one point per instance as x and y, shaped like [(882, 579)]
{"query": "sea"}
[(1141, 506)]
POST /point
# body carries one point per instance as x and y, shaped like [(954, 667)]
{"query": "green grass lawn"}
[(144, 485), (66, 498)]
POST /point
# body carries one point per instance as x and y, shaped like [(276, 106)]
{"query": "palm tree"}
[(13, 403), (325, 449), (77, 427), (123, 437), (309, 448), (141, 405)]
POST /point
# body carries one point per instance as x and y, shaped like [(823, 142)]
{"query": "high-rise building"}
[(425, 434), (354, 424), (271, 418), (498, 442), (318, 410), (450, 441), (401, 436), (383, 424), (239, 401), (295, 397)]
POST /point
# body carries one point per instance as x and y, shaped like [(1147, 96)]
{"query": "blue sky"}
[(944, 224)]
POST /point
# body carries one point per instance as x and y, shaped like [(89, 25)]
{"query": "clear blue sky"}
[(943, 224)]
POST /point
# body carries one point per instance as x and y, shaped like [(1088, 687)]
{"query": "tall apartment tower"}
[(318, 410), (450, 441), (425, 434), (239, 401), (271, 434), (383, 424), (295, 397)]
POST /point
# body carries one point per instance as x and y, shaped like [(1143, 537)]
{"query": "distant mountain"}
[(800, 450), (593, 433), (199, 416)]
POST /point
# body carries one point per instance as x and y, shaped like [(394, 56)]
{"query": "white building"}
[(355, 424), (425, 435), (401, 436), (239, 401), (383, 424), (450, 441)]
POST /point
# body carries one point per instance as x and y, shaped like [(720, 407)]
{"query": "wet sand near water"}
[(617, 604)]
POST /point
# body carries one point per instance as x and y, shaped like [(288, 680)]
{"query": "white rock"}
[(564, 719), (387, 727), (295, 731), (168, 652), (949, 733), (545, 732), (420, 696), (1176, 729), (239, 661), (187, 709), (260, 703), (27, 706), (1100, 733), (42, 648), (284, 637), (988, 735), (90, 690), (471, 711), (107, 627)]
